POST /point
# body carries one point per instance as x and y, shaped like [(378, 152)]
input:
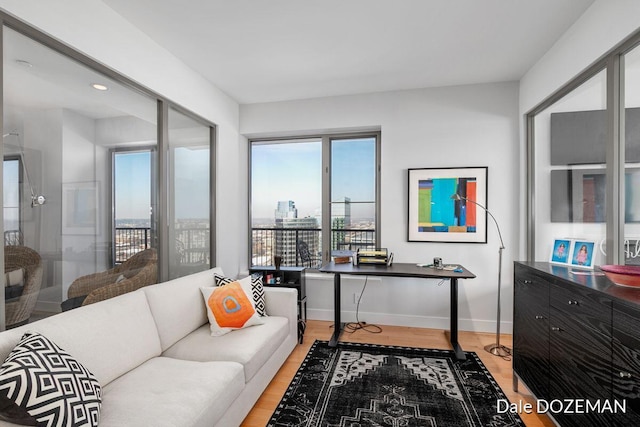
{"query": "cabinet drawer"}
[(531, 278), (581, 305)]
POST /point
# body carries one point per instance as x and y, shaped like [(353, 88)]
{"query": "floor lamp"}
[(496, 349)]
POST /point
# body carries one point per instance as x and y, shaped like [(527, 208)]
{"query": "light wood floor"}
[(393, 335)]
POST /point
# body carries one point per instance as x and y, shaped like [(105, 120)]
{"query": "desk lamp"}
[(495, 349)]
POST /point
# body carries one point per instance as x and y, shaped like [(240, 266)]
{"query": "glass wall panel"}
[(189, 195), (632, 157), (63, 120), (570, 178)]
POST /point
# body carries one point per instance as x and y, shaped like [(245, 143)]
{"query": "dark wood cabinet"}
[(576, 337), (531, 320), (288, 277)]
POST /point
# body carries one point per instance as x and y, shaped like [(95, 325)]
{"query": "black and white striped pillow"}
[(257, 289), (49, 384)]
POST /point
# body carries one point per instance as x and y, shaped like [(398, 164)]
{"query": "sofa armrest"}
[(283, 302)]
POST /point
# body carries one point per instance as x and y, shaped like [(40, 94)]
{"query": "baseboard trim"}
[(411, 321)]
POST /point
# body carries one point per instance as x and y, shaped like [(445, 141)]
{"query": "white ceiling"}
[(262, 51)]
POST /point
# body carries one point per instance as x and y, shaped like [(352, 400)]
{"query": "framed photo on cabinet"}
[(582, 253), (560, 253)]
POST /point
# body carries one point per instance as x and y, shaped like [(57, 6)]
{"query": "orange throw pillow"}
[(230, 307)]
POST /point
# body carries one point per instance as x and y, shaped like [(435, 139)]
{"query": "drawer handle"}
[(555, 329), (528, 282), (538, 317), (625, 375), (573, 302)]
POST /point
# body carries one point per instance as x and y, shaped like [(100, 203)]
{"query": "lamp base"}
[(498, 350)]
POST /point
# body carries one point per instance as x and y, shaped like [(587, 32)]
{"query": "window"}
[(306, 216), (353, 193), (11, 198), (132, 192)]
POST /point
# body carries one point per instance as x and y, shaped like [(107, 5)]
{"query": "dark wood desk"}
[(398, 270)]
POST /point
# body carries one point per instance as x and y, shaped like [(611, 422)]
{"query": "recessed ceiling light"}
[(98, 86), (24, 63)]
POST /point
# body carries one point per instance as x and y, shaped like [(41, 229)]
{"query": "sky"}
[(133, 185), (293, 171), (191, 182)]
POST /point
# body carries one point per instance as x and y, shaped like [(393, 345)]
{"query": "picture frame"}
[(561, 251), (582, 253), (434, 214), (80, 208)]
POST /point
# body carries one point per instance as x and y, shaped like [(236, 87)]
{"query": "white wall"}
[(454, 126), (96, 30), (601, 27)]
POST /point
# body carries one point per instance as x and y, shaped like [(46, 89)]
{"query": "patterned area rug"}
[(365, 385)]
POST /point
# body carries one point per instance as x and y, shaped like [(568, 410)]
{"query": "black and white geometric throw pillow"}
[(257, 289), (52, 386)]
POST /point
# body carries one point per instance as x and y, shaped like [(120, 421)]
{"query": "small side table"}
[(288, 277)]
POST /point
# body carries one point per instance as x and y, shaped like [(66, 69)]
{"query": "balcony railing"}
[(129, 241), (267, 242), (192, 244)]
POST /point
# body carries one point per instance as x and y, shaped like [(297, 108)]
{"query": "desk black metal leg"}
[(453, 330), (337, 325)]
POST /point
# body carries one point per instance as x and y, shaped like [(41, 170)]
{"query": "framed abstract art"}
[(448, 205)]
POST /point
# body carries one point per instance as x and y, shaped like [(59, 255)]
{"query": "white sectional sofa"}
[(156, 361)]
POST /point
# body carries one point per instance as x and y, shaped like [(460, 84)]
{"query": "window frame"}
[(326, 139)]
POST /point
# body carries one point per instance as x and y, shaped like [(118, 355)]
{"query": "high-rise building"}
[(286, 209), (340, 220), (292, 233)]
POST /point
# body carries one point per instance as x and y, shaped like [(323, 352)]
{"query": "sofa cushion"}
[(171, 392), (177, 305), (50, 384), (251, 347), (109, 338), (230, 307)]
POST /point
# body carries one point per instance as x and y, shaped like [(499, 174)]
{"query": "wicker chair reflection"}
[(18, 311), (138, 271)]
